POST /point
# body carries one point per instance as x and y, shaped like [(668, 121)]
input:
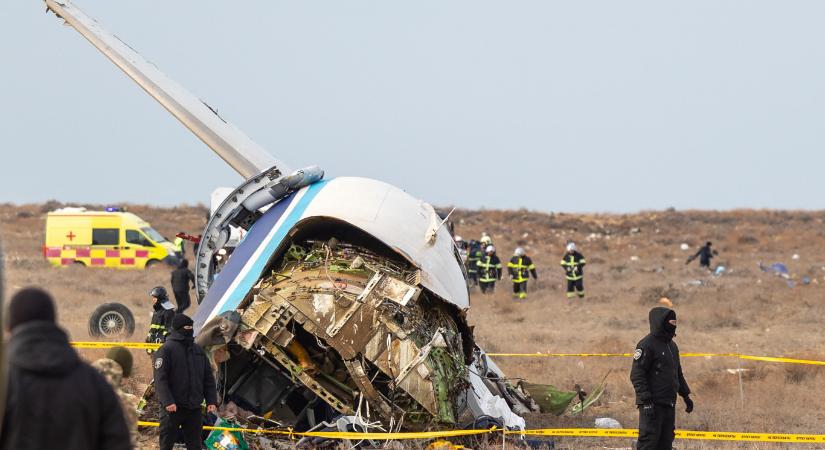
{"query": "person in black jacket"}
[(182, 279), (162, 314), (183, 380), (55, 400), (704, 254), (473, 257), (657, 378)]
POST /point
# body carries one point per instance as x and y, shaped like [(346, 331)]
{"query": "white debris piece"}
[(684, 246), (482, 402), (634, 258), (795, 256), (607, 422)]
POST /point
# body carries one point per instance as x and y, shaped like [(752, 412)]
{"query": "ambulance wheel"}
[(111, 320), (151, 263)]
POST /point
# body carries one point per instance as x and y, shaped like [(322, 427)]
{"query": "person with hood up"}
[(657, 378), (573, 264), (162, 314), (183, 380), (182, 279), (54, 399), (489, 270), (520, 268)]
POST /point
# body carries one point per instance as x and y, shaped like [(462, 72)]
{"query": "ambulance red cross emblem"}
[(71, 235)]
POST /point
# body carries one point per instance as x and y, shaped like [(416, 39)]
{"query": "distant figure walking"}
[(182, 279), (489, 271), (704, 254), (520, 268), (573, 264), (473, 257), (178, 244), (55, 400)]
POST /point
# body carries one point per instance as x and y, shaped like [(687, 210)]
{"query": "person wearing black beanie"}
[(29, 305), (52, 393), (183, 380)]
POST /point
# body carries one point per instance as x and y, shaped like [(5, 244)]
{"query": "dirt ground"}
[(633, 260)]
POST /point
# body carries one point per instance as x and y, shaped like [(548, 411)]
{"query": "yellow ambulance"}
[(111, 238)]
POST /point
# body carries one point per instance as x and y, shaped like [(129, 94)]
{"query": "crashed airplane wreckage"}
[(347, 298), (333, 317)]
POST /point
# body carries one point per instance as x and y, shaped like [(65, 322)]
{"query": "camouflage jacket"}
[(113, 373)]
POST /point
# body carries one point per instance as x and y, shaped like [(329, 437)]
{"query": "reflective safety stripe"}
[(161, 327), (575, 277), (521, 270)]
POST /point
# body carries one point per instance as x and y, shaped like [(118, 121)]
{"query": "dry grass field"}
[(633, 260)]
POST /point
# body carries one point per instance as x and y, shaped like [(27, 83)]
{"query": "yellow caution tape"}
[(137, 345), (680, 434), (146, 346), (574, 432), (782, 360), (704, 355)]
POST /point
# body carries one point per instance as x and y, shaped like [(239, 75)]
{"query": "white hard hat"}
[(519, 251), (571, 246), (459, 239), (486, 239), (490, 249)]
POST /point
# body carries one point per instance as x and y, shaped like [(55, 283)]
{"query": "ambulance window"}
[(153, 235), (105, 236), (134, 237)]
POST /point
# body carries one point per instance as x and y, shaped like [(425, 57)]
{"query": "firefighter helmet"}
[(158, 292)]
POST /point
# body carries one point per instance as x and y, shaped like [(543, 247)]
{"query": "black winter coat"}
[(182, 279), (183, 375), (705, 254), (55, 400), (657, 373)]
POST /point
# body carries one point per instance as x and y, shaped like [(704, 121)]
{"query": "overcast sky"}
[(548, 105)]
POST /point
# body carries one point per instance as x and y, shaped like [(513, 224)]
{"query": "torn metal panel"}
[(345, 321)]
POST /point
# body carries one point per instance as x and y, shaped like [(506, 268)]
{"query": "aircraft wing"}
[(232, 145)]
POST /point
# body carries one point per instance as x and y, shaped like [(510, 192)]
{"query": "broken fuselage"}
[(328, 319)]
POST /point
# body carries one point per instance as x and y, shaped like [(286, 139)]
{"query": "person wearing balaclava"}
[(183, 380), (657, 378), (52, 393)]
